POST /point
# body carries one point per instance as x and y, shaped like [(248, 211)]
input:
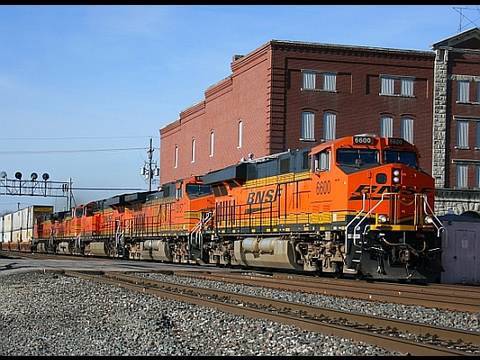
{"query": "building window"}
[(176, 157), (406, 129), (477, 135), (193, 150), (212, 142), (407, 87), (387, 85), (462, 176), (477, 176), (309, 80), (240, 134), (463, 91), (329, 82), (329, 126), (478, 91), (386, 126), (462, 134), (308, 126)]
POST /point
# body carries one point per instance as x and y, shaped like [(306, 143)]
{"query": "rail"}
[(358, 327)]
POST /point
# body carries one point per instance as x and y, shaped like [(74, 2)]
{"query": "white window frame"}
[(382, 129), (240, 134), (194, 142), (175, 163), (303, 130), (334, 82), (392, 78), (212, 143), (458, 145), (477, 134), (465, 185), (403, 120), (334, 130), (459, 86), (402, 87), (312, 73), (395, 78), (477, 176)]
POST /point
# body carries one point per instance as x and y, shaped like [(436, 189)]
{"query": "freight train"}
[(357, 205)]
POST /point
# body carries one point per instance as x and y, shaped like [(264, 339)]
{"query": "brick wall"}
[(357, 104), (243, 96), (463, 66)]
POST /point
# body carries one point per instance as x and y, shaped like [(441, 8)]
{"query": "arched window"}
[(329, 125), (193, 150), (308, 126), (406, 129), (212, 142), (176, 157), (240, 134), (386, 126)]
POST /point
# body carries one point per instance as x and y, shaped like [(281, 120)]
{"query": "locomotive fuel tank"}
[(271, 252)]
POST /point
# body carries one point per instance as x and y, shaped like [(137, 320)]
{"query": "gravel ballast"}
[(50, 314), (420, 314)]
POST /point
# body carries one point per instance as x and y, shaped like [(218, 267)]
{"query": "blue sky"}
[(94, 77)]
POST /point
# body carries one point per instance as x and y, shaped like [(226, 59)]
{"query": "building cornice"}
[(359, 50)]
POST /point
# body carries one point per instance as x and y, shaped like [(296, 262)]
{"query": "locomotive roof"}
[(271, 165)]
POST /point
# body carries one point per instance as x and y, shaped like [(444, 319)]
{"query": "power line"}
[(77, 137), (102, 189), (68, 151)]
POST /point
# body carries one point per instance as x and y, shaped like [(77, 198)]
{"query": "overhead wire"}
[(71, 151)]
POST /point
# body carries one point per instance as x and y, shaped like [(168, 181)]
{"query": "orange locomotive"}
[(356, 205)]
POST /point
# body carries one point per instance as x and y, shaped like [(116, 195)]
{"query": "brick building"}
[(288, 95)]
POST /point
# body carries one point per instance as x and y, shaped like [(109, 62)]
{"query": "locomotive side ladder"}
[(195, 239), (356, 248)]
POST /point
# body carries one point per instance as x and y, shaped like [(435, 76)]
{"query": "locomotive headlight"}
[(396, 172), (428, 219), (396, 179), (382, 218)]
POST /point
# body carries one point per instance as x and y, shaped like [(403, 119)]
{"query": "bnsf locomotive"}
[(356, 205)]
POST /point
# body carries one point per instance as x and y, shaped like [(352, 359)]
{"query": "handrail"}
[(425, 205), (351, 221), (369, 212)]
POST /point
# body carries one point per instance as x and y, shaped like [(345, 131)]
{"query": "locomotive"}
[(357, 205)]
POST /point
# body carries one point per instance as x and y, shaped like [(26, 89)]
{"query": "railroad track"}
[(457, 299), (395, 335), (441, 296)]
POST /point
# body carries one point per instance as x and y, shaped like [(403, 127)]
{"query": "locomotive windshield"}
[(357, 158), (194, 190), (405, 157)]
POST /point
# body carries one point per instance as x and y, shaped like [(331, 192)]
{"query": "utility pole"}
[(150, 168), (150, 172)]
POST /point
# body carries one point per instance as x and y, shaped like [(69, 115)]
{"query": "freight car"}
[(357, 205)]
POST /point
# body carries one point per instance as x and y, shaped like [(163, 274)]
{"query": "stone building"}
[(287, 95)]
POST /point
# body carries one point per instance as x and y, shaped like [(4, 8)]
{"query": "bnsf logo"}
[(258, 197), (374, 189)]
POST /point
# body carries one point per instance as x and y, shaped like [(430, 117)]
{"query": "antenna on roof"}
[(464, 17)]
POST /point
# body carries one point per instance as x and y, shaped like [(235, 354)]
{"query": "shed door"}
[(465, 246)]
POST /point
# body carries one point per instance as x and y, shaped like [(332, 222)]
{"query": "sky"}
[(109, 77)]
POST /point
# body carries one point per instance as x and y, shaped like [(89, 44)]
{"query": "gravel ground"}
[(49, 314), (420, 314)]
